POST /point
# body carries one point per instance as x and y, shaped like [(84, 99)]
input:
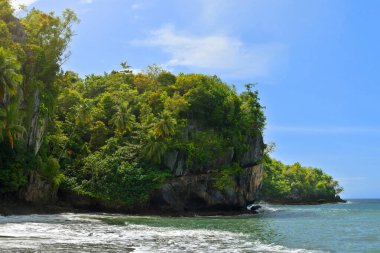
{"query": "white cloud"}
[(136, 71), (214, 52), (16, 3), (325, 130)]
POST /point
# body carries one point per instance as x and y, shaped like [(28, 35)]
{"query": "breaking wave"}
[(89, 233)]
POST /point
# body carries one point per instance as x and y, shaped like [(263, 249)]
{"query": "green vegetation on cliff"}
[(113, 130), (31, 51), (106, 136), (295, 183)]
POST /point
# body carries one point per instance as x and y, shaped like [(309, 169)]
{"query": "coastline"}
[(8, 208), (337, 200), (18, 207)]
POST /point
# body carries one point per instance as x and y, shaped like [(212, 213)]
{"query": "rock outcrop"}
[(194, 189), (38, 124), (38, 190)]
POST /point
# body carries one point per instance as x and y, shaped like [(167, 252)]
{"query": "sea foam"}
[(88, 233)]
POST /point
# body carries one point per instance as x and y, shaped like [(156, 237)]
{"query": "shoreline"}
[(305, 203), (18, 207), (289, 201), (24, 208)]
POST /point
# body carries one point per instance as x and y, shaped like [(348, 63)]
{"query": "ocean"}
[(350, 227)]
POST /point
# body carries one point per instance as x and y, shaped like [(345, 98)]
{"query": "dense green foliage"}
[(114, 129), (106, 135), (31, 51), (296, 183)]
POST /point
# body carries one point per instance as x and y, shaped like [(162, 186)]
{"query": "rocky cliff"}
[(194, 189)]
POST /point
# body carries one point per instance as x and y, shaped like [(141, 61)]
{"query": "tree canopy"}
[(295, 183)]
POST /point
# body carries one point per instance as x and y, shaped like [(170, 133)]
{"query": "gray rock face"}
[(38, 190), (254, 153), (193, 188), (18, 31), (38, 125), (177, 163), (197, 192)]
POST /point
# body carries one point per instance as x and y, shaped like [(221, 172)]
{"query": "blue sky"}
[(316, 65)]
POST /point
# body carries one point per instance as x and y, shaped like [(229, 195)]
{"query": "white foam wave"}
[(87, 233), (265, 207)]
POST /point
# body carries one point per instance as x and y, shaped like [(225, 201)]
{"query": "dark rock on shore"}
[(197, 192), (193, 188), (91, 204), (11, 205)]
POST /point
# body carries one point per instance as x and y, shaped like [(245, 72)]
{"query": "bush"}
[(110, 177)]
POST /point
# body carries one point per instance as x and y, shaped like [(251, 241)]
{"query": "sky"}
[(315, 64)]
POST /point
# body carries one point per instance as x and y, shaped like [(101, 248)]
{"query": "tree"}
[(166, 78), (82, 113), (252, 109), (11, 129), (9, 76), (123, 119), (165, 127), (154, 150), (153, 71)]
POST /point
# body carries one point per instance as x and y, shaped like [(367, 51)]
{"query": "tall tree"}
[(10, 127), (123, 119), (154, 150), (9, 76), (165, 126)]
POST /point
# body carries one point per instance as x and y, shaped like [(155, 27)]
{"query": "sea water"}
[(350, 227)]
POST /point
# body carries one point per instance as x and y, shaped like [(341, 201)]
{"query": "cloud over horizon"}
[(213, 52), (16, 3)]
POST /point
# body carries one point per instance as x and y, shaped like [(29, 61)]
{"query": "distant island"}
[(147, 142)]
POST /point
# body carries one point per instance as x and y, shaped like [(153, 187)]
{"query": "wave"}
[(204, 240), (72, 232), (265, 207)]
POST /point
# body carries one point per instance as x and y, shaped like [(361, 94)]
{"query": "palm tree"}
[(154, 150), (82, 113), (165, 126), (123, 119), (10, 129), (9, 78)]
